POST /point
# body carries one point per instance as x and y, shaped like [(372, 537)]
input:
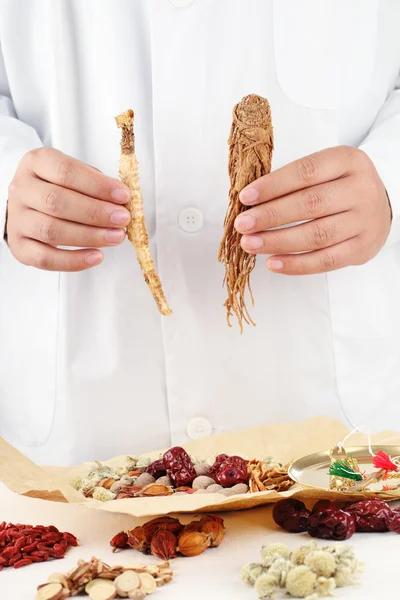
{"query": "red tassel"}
[(383, 461)]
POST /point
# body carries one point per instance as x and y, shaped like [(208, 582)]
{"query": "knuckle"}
[(48, 232), (95, 214), (313, 202), (308, 169), (52, 202), (321, 235), (42, 260), (66, 172), (328, 261), (270, 215)]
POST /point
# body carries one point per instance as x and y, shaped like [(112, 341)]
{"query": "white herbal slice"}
[(127, 582), (103, 590), (92, 583), (51, 591), (147, 583), (137, 595), (58, 578)]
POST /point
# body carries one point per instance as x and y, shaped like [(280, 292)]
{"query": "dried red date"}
[(371, 516), (229, 470), (393, 521), (157, 469), (179, 467), (330, 523), (291, 515)]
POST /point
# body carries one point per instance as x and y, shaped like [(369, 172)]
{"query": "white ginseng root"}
[(137, 230)]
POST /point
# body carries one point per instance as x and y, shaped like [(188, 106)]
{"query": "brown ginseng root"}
[(137, 230), (250, 154)]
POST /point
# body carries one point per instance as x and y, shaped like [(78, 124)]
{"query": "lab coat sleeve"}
[(16, 138), (383, 147)]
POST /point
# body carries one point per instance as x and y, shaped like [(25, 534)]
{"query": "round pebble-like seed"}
[(202, 469), (227, 492), (202, 482), (201, 491), (215, 488), (145, 479), (181, 494), (164, 480), (240, 488)]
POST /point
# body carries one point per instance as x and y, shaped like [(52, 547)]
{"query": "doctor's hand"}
[(338, 191), (55, 200)]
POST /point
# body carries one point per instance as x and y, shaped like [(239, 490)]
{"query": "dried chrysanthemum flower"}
[(325, 586), (280, 569), (322, 562), (103, 495), (265, 586), (301, 581), (344, 576), (298, 555), (251, 572), (275, 550)]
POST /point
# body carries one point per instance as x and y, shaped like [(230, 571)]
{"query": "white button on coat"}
[(191, 220), (199, 427)]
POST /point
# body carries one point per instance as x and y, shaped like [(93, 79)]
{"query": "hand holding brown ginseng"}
[(250, 154)]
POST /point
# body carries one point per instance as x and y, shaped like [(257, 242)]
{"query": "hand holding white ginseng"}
[(338, 191), (55, 200)]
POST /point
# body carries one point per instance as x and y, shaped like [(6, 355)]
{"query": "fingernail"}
[(274, 264), (94, 258), (244, 223), (120, 194), (249, 195), (252, 242), (120, 217), (114, 236)]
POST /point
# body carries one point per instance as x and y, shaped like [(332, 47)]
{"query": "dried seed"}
[(147, 583), (51, 591), (126, 583)]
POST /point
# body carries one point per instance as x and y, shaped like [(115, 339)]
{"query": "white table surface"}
[(214, 574)]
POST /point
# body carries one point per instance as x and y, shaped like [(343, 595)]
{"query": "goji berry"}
[(36, 558), (14, 559), (70, 539), (22, 563), (19, 543), (30, 548), (51, 538)]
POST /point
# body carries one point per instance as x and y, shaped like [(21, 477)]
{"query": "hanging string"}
[(357, 430)]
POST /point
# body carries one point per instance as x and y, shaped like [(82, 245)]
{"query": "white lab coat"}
[(88, 368)]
